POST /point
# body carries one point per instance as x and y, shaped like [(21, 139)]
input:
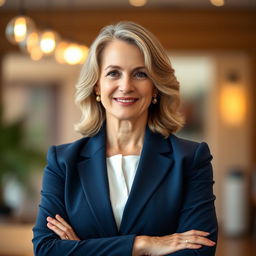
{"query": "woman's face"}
[(124, 86)]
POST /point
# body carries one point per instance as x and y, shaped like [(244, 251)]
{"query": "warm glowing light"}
[(36, 53), (31, 41), (218, 2), (31, 45), (233, 104), (2, 2), (75, 54), (18, 28), (137, 3), (60, 50), (48, 41)]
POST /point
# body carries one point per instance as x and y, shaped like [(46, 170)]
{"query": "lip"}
[(125, 101)]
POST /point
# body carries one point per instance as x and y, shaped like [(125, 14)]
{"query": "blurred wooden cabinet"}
[(15, 239)]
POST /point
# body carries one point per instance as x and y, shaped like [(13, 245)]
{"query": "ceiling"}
[(85, 4)]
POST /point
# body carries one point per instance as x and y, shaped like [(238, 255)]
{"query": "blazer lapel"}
[(93, 174), (155, 163)]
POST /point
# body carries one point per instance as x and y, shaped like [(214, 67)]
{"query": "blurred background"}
[(212, 47)]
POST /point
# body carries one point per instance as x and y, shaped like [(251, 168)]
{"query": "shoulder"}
[(73, 147), (192, 151), (182, 144), (66, 152)]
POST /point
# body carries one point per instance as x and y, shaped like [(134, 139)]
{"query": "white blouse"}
[(121, 172)]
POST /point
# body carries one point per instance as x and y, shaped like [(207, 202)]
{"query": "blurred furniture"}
[(239, 246), (15, 239)]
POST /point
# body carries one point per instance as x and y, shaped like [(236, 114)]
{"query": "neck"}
[(125, 137)]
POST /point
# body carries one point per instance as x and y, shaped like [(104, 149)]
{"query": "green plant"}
[(17, 159)]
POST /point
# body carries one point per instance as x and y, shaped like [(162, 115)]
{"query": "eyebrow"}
[(118, 67)]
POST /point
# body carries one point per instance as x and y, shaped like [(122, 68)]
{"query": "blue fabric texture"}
[(171, 193)]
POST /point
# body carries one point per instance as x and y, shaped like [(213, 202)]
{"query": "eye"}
[(113, 73), (140, 74)]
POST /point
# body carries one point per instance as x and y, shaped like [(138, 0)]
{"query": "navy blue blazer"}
[(171, 193)]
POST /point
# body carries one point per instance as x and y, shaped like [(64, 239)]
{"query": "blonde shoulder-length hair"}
[(164, 116)]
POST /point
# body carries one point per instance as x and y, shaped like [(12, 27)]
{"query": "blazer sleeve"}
[(46, 243), (198, 210)]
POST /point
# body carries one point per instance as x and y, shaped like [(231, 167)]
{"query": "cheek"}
[(106, 88), (148, 92), (106, 93)]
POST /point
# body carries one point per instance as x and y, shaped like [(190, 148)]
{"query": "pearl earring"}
[(98, 99), (154, 100)]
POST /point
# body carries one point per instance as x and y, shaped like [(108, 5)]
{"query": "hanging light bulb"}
[(75, 54), (48, 41), (36, 53), (18, 28), (137, 3), (60, 52), (2, 2), (218, 2), (31, 45), (31, 41)]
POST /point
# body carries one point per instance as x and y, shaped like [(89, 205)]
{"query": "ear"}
[(96, 89), (155, 91)]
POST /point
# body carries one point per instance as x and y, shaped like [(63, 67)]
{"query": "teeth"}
[(126, 101)]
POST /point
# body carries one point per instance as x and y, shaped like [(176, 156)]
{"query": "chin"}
[(128, 116)]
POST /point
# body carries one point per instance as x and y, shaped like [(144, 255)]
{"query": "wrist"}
[(140, 245)]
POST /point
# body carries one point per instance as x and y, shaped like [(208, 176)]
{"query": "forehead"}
[(119, 52)]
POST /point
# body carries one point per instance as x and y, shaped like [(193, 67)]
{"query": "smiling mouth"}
[(126, 100)]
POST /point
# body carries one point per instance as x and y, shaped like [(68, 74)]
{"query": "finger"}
[(59, 225), (57, 231), (68, 229), (180, 242), (193, 246), (199, 240), (71, 234), (196, 233), (55, 223), (63, 226), (62, 221)]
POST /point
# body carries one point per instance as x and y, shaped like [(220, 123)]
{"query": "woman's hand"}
[(156, 246), (60, 227)]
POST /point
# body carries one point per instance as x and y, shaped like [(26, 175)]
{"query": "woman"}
[(129, 186)]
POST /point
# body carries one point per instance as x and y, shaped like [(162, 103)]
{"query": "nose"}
[(125, 84)]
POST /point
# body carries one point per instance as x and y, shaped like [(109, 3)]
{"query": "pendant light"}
[(137, 3), (31, 46), (75, 54), (48, 41), (218, 3), (2, 2), (59, 53), (31, 41), (18, 28)]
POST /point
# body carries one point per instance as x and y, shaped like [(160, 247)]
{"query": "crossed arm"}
[(197, 212), (143, 245)]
